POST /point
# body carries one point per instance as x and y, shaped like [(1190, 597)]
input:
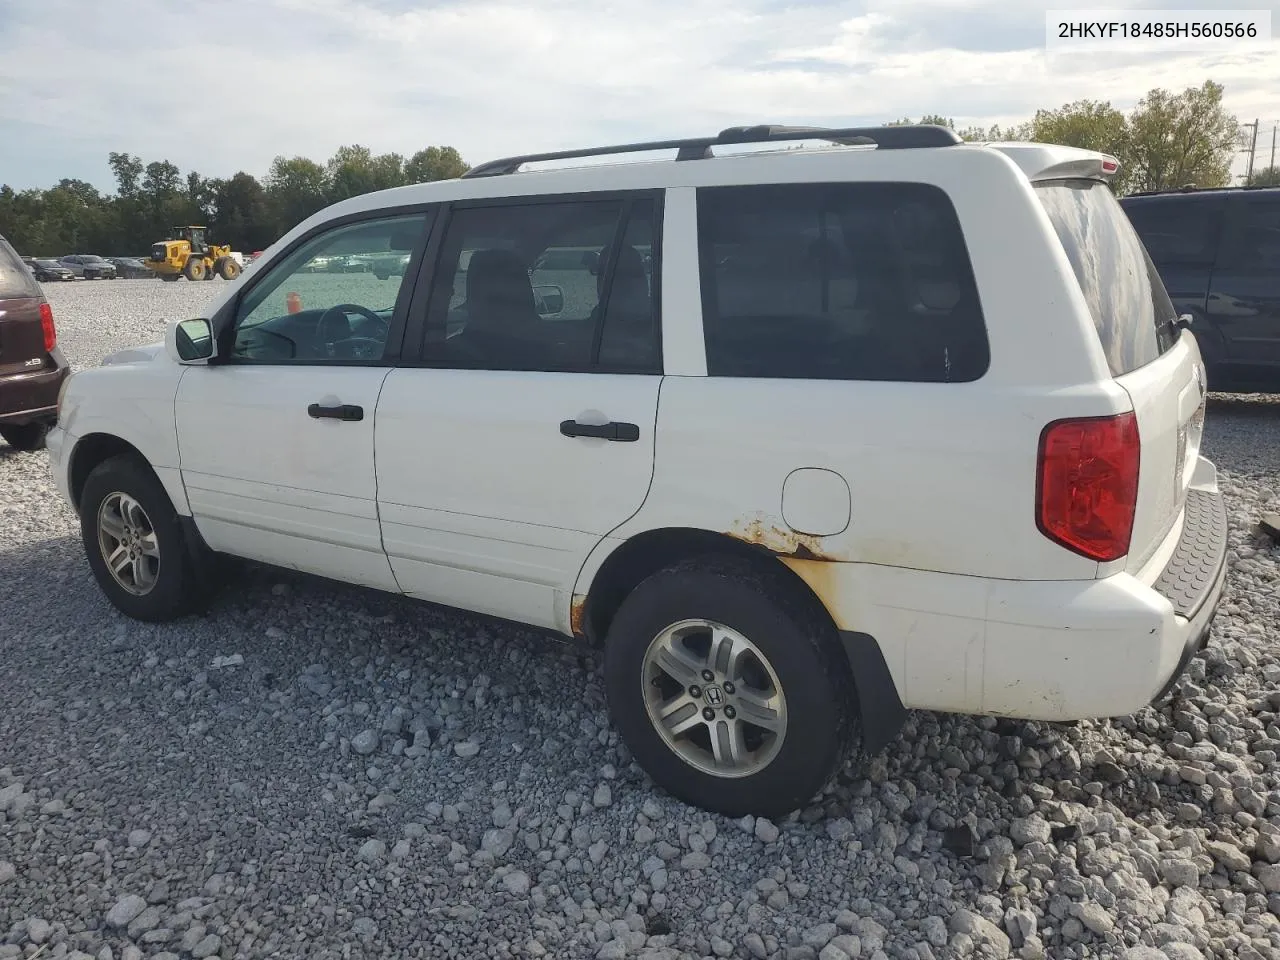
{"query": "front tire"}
[(725, 683), (135, 544), (27, 436)]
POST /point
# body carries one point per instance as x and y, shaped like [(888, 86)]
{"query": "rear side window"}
[(15, 279), (1135, 319), (1255, 248), (1182, 230), (848, 281)]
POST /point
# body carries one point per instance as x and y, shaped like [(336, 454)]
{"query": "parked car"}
[(32, 368), (47, 270), (89, 267), (131, 268), (1218, 253), (894, 432)]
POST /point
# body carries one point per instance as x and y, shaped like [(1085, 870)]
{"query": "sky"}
[(227, 86)]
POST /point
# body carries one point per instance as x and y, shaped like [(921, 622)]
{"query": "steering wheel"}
[(330, 335)]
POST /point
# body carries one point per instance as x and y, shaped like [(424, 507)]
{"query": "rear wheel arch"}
[(643, 555), (878, 700)]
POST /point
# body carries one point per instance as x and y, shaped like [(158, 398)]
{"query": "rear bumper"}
[(31, 397), (1044, 650)]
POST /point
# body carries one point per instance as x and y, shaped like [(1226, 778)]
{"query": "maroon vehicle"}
[(32, 368)]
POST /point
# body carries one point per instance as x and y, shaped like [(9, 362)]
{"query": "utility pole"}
[(1247, 134), (1272, 165), (1253, 147)]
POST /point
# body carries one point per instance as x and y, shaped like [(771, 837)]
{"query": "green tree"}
[(1266, 177), (127, 171), (993, 133), (434, 163), (296, 188), (1185, 138), (241, 214)]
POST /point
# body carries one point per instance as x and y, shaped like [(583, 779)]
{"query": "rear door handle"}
[(343, 411), (619, 432)]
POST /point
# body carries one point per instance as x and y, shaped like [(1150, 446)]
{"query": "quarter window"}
[(862, 281), (332, 299)]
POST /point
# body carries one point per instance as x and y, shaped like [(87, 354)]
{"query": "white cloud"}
[(228, 87)]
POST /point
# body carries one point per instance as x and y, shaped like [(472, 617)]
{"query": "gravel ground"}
[(325, 772)]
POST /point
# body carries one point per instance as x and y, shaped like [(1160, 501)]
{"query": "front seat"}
[(502, 317)]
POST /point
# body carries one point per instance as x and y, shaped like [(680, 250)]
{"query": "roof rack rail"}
[(903, 137), (1191, 188)]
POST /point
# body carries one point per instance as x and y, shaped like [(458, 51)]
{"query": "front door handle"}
[(343, 411), (619, 432)]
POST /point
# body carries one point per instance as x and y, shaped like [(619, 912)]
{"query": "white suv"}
[(803, 438)]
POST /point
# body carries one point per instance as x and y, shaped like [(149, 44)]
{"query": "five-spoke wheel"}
[(725, 681), (714, 698), (128, 543)]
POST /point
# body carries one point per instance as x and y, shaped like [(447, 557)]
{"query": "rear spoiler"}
[(1045, 161)]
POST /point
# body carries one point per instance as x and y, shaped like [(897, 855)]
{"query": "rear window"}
[(1135, 319), (15, 279), (846, 281)]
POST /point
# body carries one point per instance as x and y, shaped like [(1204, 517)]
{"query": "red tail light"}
[(1087, 484), (46, 324)]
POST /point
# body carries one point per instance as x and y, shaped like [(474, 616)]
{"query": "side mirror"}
[(190, 341), (1184, 321), (548, 298)]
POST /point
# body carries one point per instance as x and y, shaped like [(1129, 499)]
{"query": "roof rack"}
[(903, 137), (1191, 188)]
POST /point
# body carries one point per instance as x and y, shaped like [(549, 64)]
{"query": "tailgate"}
[(1155, 361), (1169, 401), (21, 336)]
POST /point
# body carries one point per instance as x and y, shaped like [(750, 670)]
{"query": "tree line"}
[(1168, 140), (248, 213)]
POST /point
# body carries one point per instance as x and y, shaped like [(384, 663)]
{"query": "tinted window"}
[(1135, 319), (1177, 230), (332, 299), (15, 278), (1256, 246), (838, 281), (546, 286), (629, 336)]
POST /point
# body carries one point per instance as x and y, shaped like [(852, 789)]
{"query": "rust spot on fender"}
[(820, 576), (804, 554), (780, 539), (578, 616)]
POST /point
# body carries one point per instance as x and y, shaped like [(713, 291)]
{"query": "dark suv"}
[(32, 368), (1218, 252)]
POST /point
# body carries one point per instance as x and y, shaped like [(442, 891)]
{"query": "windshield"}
[(1135, 319)]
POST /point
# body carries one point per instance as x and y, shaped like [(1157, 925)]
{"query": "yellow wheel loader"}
[(186, 253)]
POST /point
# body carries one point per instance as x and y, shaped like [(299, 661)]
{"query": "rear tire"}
[(27, 436), (125, 514), (194, 269), (781, 666)]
